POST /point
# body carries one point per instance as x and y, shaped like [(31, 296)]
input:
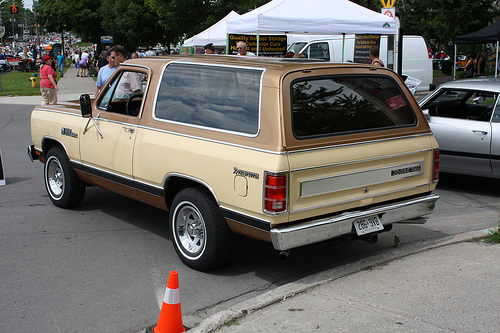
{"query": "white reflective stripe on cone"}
[(172, 296)]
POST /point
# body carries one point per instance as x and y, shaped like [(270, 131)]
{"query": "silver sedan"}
[(465, 120)]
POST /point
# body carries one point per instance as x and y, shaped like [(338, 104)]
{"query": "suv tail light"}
[(435, 172), (275, 192)]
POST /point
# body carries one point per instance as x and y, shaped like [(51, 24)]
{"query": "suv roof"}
[(264, 62)]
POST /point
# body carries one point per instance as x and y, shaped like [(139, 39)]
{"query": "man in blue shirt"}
[(117, 54), (60, 62)]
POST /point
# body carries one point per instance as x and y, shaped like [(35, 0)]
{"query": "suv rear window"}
[(214, 97), (327, 106)]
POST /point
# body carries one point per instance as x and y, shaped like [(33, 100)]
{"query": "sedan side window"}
[(464, 104), (496, 113)]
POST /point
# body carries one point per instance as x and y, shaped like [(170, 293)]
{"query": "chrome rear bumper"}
[(408, 211)]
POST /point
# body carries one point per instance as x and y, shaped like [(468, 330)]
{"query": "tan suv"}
[(292, 152)]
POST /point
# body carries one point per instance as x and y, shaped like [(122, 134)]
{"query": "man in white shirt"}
[(242, 49), (150, 52), (130, 82)]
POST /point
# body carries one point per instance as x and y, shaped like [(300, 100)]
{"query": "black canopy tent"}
[(489, 34)]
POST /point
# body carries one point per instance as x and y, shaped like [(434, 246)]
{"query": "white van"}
[(416, 61)]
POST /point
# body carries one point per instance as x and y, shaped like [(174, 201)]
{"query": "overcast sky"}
[(28, 3)]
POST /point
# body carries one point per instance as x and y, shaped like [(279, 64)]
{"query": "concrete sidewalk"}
[(70, 88), (449, 285)]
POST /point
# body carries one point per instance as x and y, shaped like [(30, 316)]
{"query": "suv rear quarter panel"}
[(210, 157), (351, 171)]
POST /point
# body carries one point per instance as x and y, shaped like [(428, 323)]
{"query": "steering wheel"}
[(135, 111), (486, 114), (441, 109)]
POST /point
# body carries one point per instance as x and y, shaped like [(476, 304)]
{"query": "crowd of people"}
[(475, 65), (89, 64)]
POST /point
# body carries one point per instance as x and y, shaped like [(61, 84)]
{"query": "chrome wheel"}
[(64, 187), (201, 236), (55, 177), (189, 228)]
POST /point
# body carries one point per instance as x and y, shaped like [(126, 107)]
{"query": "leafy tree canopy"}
[(443, 20), (147, 22), (136, 22)]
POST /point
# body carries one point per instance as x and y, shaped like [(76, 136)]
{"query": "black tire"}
[(64, 187), (201, 236)]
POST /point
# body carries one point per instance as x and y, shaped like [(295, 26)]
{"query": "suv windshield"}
[(348, 104)]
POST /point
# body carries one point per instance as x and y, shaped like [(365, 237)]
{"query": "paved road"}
[(103, 266)]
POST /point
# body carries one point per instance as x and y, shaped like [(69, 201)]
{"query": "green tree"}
[(132, 23), (185, 18), (443, 20), (74, 15)]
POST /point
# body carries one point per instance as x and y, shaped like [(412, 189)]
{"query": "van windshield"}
[(296, 47), (335, 105)]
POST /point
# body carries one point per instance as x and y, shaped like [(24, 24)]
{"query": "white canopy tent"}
[(216, 34), (316, 17)]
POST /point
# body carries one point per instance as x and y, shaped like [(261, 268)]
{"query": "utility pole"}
[(1, 22)]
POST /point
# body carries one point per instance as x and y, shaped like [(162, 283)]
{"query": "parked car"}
[(4, 64), (287, 151), (461, 61), (464, 116)]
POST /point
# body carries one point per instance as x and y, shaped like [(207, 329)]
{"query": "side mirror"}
[(479, 100), (85, 106), (426, 114)]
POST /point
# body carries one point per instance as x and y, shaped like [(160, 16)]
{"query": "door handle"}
[(129, 130), (478, 131)]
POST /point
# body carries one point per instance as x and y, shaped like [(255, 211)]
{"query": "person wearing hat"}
[(209, 48), (48, 83)]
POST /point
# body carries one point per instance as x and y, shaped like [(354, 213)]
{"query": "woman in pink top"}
[(48, 84)]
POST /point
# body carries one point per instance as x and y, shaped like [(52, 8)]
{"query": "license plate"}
[(368, 225)]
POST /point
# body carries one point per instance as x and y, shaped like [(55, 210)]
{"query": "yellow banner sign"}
[(388, 3)]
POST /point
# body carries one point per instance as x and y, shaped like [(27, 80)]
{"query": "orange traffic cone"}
[(170, 320)]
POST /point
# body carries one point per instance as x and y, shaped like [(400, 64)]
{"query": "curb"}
[(289, 290)]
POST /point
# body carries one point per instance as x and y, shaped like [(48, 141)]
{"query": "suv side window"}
[(327, 106), (124, 94), (213, 97)]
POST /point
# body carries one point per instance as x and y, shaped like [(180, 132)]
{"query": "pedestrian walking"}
[(83, 64), (60, 63), (76, 61), (48, 83)]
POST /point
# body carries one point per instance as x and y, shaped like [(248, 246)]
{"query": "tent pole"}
[(343, 46), (496, 65), (257, 43), (455, 63), (400, 51)]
